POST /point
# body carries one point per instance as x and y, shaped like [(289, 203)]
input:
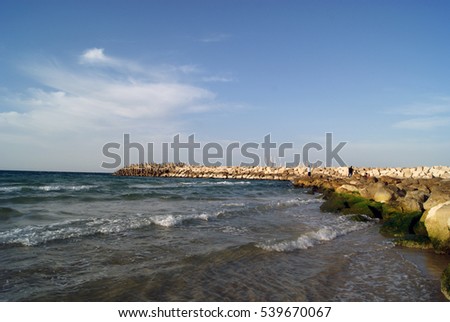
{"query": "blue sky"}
[(75, 75)]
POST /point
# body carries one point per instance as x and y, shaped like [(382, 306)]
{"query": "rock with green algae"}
[(437, 223), (351, 204), (445, 282), (397, 224), (365, 207), (400, 215), (414, 241)]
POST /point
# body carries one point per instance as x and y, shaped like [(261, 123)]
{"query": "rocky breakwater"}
[(418, 210), (415, 211), (181, 170)]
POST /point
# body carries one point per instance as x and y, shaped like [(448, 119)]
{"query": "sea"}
[(98, 237)]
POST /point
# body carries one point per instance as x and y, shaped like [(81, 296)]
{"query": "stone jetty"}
[(181, 170)]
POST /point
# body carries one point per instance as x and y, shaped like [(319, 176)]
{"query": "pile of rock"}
[(428, 196), (276, 173), (415, 173), (220, 172)]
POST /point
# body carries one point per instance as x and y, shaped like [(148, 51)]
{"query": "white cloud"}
[(82, 98), (425, 109), (64, 120), (424, 116), (94, 55), (424, 123)]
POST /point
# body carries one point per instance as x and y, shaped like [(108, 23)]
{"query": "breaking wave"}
[(47, 188), (9, 189), (39, 234), (61, 188), (312, 238)]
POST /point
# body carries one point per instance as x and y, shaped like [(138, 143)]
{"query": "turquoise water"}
[(96, 237)]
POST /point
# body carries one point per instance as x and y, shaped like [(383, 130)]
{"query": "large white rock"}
[(436, 198), (347, 188), (379, 192), (437, 223)]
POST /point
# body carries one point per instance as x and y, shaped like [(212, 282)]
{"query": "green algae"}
[(406, 227), (397, 224), (351, 204), (445, 282), (414, 241)]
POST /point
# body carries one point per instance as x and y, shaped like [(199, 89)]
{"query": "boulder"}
[(437, 223), (409, 205), (412, 201), (345, 188), (436, 197), (379, 192), (383, 195)]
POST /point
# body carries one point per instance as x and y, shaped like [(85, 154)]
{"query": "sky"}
[(78, 75)]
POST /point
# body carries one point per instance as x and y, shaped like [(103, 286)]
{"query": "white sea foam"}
[(233, 204), (215, 183), (230, 183), (174, 220), (50, 188), (298, 201), (60, 188), (292, 202), (9, 189), (83, 187), (34, 235), (38, 234), (312, 238)]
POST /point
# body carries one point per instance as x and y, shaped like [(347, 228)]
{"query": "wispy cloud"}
[(187, 69), (75, 107), (96, 57), (423, 123), (215, 37), (424, 116), (425, 109), (218, 79), (87, 98)]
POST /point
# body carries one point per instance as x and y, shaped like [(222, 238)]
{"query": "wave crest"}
[(35, 235), (313, 238)]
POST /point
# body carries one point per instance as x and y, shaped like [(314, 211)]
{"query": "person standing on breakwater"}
[(309, 169), (350, 171)]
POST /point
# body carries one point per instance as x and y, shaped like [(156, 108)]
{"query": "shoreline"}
[(412, 204)]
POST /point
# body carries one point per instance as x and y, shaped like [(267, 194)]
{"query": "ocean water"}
[(96, 237)]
